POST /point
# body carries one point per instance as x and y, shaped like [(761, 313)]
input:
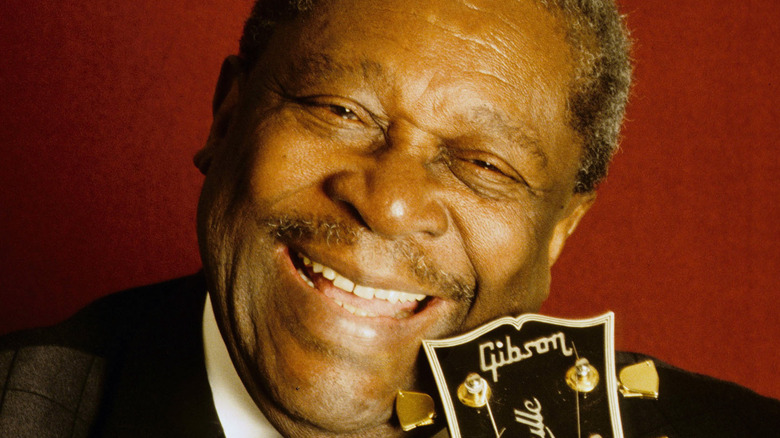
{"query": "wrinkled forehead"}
[(508, 54), (496, 37)]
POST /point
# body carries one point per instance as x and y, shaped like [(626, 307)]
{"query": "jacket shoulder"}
[(693, 405), (53, 379)]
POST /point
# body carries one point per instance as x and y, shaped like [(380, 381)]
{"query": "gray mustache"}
[(335, 232)]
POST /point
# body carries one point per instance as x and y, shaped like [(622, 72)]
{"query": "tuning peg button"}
[(582, 377), (474, 391)]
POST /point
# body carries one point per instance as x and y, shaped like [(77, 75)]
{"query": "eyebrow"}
[(321, 66)]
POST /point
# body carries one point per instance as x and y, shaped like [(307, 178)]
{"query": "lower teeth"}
[(354, 310), (305, 278)]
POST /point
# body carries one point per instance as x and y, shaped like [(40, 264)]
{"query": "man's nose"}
[(392, 191)]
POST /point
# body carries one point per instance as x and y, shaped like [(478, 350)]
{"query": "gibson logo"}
[(532, 417), (494, 355)]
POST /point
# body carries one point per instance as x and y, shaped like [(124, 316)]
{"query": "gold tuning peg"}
[(582, 377), (474, 392), (414, 409), (639, 380)]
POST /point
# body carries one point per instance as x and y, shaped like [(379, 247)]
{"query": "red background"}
[(105, 102)]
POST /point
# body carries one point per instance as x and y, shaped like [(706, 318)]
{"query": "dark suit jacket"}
[(131, 365)]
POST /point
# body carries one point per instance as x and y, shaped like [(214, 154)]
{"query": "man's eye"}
[(484, 173), (326, 108), (343, 112), (487, 166), (494, 172)]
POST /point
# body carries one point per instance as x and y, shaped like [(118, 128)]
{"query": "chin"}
[(332, 398), (307, 381)]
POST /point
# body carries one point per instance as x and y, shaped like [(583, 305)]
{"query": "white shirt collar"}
[(238, 413)]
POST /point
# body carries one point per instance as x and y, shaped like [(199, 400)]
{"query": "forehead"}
[(496, 38), (494, 63)]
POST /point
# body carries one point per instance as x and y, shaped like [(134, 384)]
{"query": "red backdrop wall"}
[(104, 103)]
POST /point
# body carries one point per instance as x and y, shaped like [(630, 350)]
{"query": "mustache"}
[(336, 232)]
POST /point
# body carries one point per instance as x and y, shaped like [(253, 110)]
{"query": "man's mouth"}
[(357, 299)]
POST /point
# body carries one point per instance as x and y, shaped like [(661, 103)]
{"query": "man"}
[(377, 173), (400, 147)]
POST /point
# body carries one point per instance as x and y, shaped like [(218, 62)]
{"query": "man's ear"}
[(223, 108), (578, 205)]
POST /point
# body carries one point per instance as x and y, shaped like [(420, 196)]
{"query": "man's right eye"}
[(343, 112), (336, 117), (334, 110)]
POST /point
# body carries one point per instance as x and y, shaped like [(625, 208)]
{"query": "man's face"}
[(415, 153)]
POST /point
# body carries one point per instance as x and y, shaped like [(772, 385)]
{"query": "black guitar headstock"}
[(530, 376)]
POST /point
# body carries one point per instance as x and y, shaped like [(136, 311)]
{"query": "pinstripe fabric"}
[(129, 365), (56, 386)]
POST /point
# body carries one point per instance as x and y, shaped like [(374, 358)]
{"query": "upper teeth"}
[(348, 285)]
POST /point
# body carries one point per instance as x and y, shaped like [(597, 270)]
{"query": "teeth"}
[(348, 285), (328, 273), (305, 278), (343, 283), (364, 292), (354, 310), (406, 296)]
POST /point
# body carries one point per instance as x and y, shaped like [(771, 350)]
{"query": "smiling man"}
[(380, 173), (377, 173)]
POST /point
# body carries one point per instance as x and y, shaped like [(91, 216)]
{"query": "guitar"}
[(530, 376)]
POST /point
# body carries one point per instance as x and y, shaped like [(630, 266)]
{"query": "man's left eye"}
[(343, 112), (487, 166)]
